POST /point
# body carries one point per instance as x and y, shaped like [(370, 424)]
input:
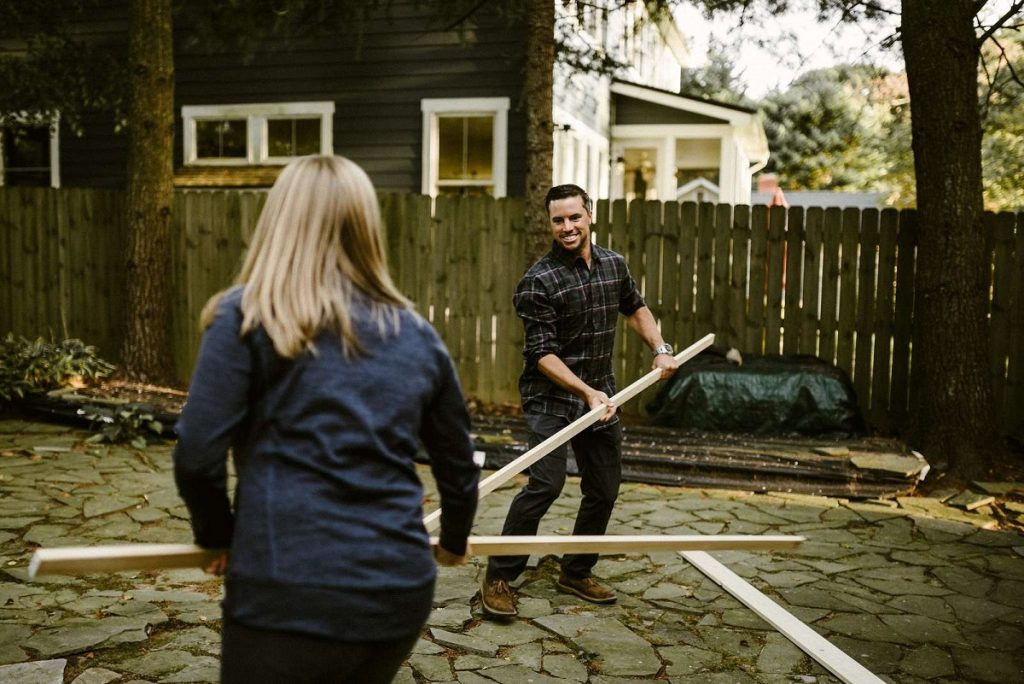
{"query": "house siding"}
[(376, 81)]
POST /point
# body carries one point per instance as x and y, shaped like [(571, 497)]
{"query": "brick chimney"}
[(767, 182)]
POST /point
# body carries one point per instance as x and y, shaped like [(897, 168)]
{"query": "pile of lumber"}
[(853, 468)]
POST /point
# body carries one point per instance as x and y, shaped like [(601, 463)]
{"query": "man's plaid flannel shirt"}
[(570, 311)]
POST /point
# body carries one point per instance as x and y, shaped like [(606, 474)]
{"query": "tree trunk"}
[(952, 410), (537, 99), (147, 355)]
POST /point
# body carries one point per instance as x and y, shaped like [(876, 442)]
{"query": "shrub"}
[(127, 423), (35, 367)]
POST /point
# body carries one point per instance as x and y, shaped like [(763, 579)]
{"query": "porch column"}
[(728, 180), (667, 169)]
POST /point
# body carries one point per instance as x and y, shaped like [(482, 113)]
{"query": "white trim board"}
[(802, 636), (83, 560)]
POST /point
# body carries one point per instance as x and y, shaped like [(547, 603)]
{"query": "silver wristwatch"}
[(665, 348)]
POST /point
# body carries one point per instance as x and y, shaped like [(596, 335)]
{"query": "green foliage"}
[(1002, 101), (50, 68), (844, 128), (717, 80), (34, 367), (128, 423)]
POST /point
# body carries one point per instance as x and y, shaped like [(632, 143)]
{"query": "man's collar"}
[(568, 258)]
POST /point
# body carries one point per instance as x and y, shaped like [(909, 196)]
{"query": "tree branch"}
[(1014, 9), (1014, 76), (472, 10)]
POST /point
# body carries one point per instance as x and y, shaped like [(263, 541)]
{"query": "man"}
[(568, 302)]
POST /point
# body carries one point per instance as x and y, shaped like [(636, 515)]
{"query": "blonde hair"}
[(317, 242)]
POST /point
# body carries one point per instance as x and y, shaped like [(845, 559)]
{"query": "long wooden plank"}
[(500, 477), (83, 560), (810, 642)]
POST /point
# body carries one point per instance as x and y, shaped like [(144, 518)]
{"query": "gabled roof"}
[(698, 184), (656, 106), (712, 108)]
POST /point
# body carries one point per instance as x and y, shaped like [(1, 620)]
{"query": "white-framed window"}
[(264, 133), (30, 153), (465, 146)]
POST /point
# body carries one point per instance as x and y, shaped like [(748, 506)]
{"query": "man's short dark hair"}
[(560, 192)]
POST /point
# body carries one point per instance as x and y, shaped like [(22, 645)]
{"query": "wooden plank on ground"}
[(810, 642), (84, 560)]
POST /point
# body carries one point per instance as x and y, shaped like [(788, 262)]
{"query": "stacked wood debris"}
[(856, 468)]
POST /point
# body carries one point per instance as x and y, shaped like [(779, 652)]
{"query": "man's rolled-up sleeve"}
[(533, 306)]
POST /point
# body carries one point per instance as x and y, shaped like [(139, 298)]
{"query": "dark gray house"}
[(424, 109)]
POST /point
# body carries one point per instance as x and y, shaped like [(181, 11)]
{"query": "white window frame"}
[(434, 108), (256, 116), (54, 122)]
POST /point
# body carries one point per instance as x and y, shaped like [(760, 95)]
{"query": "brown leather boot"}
[(497, 598), (587, 588)]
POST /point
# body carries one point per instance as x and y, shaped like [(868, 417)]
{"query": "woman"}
[(317, 374)]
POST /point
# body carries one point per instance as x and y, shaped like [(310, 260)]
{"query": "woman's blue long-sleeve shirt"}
[(326, 535)]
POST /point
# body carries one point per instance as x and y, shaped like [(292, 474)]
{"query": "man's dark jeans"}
[(598, 456)]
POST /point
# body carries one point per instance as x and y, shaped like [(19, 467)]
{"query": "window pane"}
[(466, 147), (26, 158), (223, 139), (293, 137), (467, 190)]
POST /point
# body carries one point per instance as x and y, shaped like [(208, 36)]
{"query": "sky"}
[(802, 44)]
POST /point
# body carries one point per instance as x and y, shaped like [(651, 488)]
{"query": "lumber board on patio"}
[(83, 560)]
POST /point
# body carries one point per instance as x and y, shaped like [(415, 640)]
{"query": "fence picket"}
[(906, 246), (1000, 227), (775, 283), (883, 321), (792, 316), (758, 279), (738, 279), (812, 276), (865, 307)]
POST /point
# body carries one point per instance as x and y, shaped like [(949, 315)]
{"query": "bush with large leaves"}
[(32, 367)]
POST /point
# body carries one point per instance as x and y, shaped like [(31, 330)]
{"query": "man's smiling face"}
[(570, 225)]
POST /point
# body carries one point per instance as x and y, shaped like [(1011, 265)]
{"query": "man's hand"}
[(446, 557), (596, 399), (667, 363)]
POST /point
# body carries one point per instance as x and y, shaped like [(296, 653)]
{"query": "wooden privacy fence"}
[(834, 283)]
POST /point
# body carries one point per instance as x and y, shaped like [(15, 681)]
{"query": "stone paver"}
[(914, 590)]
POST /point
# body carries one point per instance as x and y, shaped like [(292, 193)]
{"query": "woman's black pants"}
[(260, 656)]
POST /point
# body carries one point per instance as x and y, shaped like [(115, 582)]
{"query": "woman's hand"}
[(446, 557), (218, 566)]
